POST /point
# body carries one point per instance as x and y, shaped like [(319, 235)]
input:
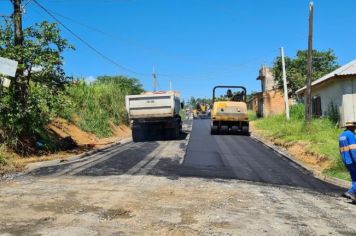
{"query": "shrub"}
[(297, 111), (22, 124)]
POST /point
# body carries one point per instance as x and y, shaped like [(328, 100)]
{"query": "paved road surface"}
[(207, 156), (241, 157)]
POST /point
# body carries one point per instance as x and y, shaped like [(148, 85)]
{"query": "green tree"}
[(192, 102), (41, 86), (323, 62)]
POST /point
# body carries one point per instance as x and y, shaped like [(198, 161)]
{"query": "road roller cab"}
[(229, 111)]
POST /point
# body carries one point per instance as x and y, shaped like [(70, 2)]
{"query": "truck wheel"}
[(172, 133), (245, 130), (177, 130), (138, 134), (214, 130)]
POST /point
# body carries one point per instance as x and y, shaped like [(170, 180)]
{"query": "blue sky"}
[(196, 44)]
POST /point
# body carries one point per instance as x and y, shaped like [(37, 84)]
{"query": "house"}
[(335, 93), (270, 101)]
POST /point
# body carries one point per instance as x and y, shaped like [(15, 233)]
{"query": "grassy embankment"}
[(96, 108), (316, 145)]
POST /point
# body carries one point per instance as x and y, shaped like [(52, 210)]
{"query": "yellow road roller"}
[(229, 111)]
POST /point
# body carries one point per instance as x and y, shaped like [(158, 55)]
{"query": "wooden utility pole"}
[(286, 102), (18, 22), (308, 98), (19, 85)]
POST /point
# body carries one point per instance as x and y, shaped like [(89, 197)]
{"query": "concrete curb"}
[(316, 174), (32, 166)]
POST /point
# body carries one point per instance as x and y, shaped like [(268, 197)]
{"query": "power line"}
[(136, 44), (52, 14), (147, 49), (86, 43)]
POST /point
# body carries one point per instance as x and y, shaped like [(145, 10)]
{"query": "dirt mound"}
[(65, 129), (313, 160)]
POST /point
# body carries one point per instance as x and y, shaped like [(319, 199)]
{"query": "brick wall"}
[(273, 103)]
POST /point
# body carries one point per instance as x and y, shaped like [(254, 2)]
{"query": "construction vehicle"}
[(230, 112), (154, 114), (201, 111)]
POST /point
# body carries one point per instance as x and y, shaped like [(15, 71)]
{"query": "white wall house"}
[(336, 89)]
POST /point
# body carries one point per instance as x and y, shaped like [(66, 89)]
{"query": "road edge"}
[(187, 139), (33, 166), (316, 174)]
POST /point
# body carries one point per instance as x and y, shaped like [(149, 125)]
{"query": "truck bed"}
[(152, 105)]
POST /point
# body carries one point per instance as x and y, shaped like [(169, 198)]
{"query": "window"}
[(316, 105)]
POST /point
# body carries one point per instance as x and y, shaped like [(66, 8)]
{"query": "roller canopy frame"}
[(225, 86)]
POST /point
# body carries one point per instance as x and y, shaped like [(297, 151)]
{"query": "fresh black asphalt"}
[(207, 156), (241, 157)]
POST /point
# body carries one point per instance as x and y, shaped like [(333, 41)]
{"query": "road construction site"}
[(197, 185)]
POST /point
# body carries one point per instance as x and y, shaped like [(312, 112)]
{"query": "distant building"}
[(335, 92), (270, 101)]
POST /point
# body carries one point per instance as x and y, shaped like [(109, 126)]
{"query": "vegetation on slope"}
[(99, 105)]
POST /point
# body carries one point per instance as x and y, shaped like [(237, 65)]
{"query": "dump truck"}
[(230, 112), (154, 114)]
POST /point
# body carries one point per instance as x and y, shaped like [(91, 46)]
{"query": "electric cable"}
[(86, 43), (52, 14)]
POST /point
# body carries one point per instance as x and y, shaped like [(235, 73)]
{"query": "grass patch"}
[(99, 105), (252, 116), (3, 160), (320, 137)]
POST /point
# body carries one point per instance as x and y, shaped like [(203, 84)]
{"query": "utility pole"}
[(308, 99), (18, 22), (170, 85), (154, 79), (18, 41), (286, 102)]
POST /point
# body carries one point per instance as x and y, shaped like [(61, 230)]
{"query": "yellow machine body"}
[(231, 115), (229, 111)]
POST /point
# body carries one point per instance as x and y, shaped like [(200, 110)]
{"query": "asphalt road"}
[(218, 156), (241, 157)]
